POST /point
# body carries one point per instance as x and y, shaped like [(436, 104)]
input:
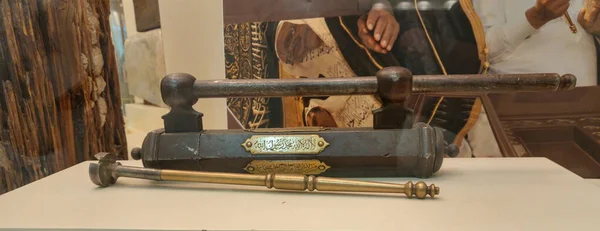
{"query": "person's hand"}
[(589, 20), (384, 28), (545, 11)]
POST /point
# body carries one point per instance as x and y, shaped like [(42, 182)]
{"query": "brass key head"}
[(101, 173)]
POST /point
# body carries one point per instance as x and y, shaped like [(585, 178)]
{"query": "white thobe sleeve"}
[(502, 36)]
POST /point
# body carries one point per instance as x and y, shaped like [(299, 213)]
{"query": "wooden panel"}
[(238, 11), (568, 146), (561, 126), (581, 101), (59, 91)]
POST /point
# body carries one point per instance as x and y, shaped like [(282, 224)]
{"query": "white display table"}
[(476, 194)]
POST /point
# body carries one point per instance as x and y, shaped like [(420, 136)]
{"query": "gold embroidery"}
[(478, 32), (246, 57)]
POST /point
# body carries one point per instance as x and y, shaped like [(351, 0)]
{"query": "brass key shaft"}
[(108, 170)]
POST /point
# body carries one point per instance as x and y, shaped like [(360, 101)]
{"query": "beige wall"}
[(193, 43), (129, 15)]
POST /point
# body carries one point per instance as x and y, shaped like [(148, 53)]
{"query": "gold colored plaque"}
[(305, 167), (285, 144)]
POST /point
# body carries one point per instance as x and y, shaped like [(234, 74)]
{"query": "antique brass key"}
[(108, 170)]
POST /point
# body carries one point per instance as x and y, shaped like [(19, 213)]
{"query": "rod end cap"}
[(567, 82), (101, 172)]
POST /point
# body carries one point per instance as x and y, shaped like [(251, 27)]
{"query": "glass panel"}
[(60, 94)]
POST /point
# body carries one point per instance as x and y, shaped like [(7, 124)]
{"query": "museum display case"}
[(351, 110)]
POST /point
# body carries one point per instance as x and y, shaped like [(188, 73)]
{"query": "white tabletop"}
[(476, 194)]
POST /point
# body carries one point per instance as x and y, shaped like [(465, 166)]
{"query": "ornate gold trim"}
[(478, 32), (561, 121), (591, 127), (593, 119), (305, 167)]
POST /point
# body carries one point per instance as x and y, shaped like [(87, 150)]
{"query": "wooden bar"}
[(239, 11)]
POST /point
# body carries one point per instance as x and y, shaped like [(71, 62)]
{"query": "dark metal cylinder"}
[(493, 83), (368, 85), (284, 87), (417, 152), (137, 172)]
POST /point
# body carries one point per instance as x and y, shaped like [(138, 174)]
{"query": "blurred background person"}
[(533, 36)]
